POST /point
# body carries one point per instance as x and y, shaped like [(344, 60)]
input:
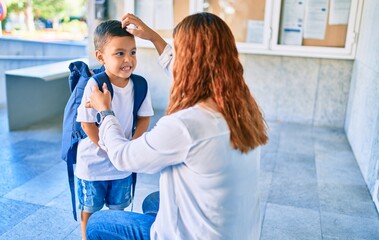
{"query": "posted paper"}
[(292, 22), (316, 14), (339, 11), (255, 31)]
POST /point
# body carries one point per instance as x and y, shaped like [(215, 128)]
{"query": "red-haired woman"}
[(206, 148)]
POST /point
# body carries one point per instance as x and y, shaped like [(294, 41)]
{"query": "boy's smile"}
[(126, 68)]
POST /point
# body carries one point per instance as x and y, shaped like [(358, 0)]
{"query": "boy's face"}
[(119, 57)]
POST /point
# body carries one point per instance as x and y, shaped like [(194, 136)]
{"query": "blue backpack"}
[(72, 130)]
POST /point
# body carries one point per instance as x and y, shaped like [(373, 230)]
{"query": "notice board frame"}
[(340, 41)]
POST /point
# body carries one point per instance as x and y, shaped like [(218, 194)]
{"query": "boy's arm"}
[(92, 131), (142, 125)]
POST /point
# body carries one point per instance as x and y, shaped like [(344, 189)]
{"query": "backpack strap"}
[(140, 91), (102, 78), (71, 177)]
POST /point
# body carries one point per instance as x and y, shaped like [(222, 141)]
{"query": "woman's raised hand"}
[(139, 29)]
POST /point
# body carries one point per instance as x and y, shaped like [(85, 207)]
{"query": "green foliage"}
[(15, 6), (48, 9)]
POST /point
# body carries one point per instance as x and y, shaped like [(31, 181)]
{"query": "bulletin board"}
[(244, 10), (334, 35)]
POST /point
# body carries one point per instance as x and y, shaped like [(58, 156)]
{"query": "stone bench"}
[(36, 93)]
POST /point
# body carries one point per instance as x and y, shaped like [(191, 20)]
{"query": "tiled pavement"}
[(311, 186)]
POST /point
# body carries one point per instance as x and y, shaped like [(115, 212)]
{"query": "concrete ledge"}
[(10, 46), (36, 93)]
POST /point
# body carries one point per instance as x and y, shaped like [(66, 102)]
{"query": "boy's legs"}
[(91, 196), (84, 216), (118, 195)]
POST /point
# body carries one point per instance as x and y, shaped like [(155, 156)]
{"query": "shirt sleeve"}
[(86, 114), (166, 144), (146, 109), (165, 59)]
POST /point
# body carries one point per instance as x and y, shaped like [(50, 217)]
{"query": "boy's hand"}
[(100, 101)]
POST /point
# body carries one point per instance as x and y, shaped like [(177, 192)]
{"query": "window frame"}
[(347, 52), (270, 45)]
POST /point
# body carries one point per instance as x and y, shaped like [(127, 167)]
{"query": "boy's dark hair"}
[(106, 29)]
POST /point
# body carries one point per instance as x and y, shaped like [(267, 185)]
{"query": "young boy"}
[(99, 181)]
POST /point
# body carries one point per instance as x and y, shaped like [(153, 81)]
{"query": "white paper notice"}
[(292, 22), (255, 31), (339, 11), (158, 14), (164, 14), (316, 14), (145, 11)]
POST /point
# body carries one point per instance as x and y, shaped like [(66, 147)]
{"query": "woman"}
[(206, 148)]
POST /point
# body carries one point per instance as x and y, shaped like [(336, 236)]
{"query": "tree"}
[(48, 9), (29, 18), (33, 9)]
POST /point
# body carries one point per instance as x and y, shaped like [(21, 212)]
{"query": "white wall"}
[(289, 89), (303, 90), (362, 120)]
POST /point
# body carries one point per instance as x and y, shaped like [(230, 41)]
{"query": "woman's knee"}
[(150, 205), (116, 224)]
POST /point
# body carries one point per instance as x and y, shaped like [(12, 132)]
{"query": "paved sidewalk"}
[(311, 186)]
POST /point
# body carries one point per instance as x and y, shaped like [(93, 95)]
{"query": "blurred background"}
[(46, 19)]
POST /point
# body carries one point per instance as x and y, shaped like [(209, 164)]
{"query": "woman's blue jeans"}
[(121, 225)]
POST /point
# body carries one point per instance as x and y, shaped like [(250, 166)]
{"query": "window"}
[(310, 28), (249, 21), (316, 28)]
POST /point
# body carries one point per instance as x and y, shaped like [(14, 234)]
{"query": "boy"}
[(99, 181)]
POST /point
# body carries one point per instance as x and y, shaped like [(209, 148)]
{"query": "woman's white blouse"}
[(208, 190)]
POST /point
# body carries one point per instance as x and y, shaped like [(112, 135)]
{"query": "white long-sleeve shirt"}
[(208, 190)]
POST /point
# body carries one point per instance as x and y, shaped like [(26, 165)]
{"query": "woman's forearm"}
[(159, 43)]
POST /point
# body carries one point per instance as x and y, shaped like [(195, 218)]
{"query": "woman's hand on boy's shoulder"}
[(100, 101)]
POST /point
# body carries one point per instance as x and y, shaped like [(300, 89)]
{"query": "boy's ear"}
[(99, 57)]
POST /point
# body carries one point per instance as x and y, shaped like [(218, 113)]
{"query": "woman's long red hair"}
[(207, 65)]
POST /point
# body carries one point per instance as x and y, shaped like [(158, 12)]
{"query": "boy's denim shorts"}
[(115, 194)]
